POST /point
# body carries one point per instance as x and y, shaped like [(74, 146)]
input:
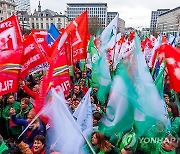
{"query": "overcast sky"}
[(136, 13)]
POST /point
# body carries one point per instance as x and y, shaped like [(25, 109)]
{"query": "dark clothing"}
[(29, 135)]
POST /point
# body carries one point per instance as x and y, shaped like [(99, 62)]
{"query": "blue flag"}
[(157, 69), (52, 35)]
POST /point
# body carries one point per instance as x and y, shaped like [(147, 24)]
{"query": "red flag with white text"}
[(10, 54), (40, 38), (60, 67), (78, 29), (32, 56)]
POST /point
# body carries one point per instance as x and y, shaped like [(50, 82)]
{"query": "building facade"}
[(7, 8), (154, 16), (96, 11), (23, 17), (111, 16), (169, 22), (42, 19), (121, 26), (23, 5)]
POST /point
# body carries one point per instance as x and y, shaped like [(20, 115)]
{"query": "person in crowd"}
[(174, 118), (26, 106), (69, 103), (88, 81), (32, 93), (101, 144), (21, 92), (12, 129), (25, 87), (2, 121), (166, 98), (167, 146), (37, 148), (95, 104), (88, 72), (75, 104), (127, 150), (36, 128), (96, 119), (76, 93), (94, 90), (83, 87), (77, 77)]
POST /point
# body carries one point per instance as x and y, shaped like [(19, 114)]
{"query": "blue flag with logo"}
[(52, 35)]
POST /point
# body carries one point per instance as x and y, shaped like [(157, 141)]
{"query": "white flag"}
[(66, 136), (83, 113), (108, 36)]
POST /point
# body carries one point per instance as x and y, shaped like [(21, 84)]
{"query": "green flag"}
[(104, 78), (159, 82), (94, 61), (119, 115), (149, 101)]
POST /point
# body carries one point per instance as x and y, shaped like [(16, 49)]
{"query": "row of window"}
[(43, 26), (88, 8), (7, 6), (89, 12), (59, 19)]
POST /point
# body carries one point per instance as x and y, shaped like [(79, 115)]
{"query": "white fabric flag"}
[(83, 114), (66, 134), (108, 36)]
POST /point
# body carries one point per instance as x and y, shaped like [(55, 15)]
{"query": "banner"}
[(10, 54), (10, 34), (32, 56), (77, 30), (8, 81), (61, 71), (40, 38)]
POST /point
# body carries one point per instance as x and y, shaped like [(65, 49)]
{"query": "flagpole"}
[(40, 112), (71, 53), (77, 127)]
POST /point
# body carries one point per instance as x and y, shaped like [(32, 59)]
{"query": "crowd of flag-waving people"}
[(73, 93)]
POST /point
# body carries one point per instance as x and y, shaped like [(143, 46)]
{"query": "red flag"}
[(60, 67), (172, 56), (57, 75), (146, 43), (8, 81), (10, 55), (78, 29), (32, 56), (10, 34), (40, 38)]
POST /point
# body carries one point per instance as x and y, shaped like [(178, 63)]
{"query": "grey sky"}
[(136, 13)]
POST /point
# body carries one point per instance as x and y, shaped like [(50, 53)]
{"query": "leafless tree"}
[(94, 24)]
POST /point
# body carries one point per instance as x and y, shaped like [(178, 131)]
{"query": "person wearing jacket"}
[(174, 118), (37, 128), (12, 129)]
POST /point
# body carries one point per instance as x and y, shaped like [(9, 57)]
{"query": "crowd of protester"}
[(16, 112)]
